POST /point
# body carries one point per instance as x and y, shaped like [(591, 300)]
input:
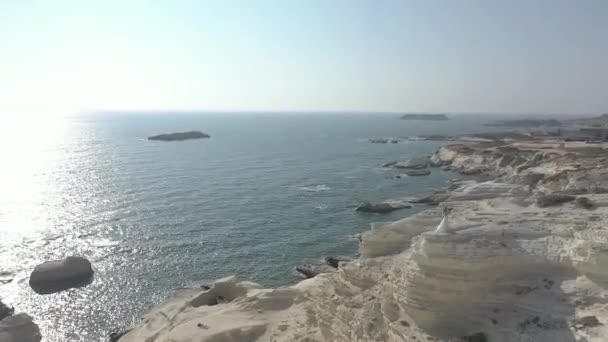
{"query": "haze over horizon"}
[(322, 56)]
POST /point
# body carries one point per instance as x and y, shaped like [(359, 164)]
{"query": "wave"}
[(315, 188), (104, 243)]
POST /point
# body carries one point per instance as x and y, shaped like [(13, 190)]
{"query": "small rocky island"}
[(432, 117), (180, 136)]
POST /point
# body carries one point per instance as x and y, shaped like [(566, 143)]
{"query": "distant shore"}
[(432, 117)]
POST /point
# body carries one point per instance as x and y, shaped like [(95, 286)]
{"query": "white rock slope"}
[(508, 269)]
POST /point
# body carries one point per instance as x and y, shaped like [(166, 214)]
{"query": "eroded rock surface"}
[(508, 270), (546, 168)]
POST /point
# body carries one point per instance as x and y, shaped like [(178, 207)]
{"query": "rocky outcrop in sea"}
[(382, 207), (57, 275), (180, 136), (17, 327)]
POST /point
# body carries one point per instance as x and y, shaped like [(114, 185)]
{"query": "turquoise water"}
[(265, 193)]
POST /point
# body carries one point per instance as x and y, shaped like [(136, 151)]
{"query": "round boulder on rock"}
[(57, 275)]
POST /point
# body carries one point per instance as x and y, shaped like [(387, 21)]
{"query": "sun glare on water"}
[(29, 148)]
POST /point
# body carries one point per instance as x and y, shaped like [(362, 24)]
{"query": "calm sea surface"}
[(265, 193)]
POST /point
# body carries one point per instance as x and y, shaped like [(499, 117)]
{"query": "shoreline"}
[(411, 284)]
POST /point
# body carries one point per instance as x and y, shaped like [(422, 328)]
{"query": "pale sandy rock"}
[(577, 170), (512, 272), (472, 190)]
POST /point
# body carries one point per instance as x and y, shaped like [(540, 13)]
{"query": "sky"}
[(512, 56)]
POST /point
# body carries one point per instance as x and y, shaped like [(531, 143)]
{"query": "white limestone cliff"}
[(507, 269), (515, 272)]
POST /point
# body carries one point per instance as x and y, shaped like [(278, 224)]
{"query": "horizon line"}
[(212, 111)]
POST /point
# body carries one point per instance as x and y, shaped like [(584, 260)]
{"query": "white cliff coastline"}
[(508, 268)]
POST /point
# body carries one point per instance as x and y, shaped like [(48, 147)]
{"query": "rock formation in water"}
[(416, 173), (509, 269), (433, 117), (382, 207), (57, 275), (180, 136), (17, 328)]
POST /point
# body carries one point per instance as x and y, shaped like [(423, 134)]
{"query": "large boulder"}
[(57, 275), (19, 328), (335, 261)]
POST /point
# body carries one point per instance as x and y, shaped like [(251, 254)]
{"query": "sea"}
[(267, 192)]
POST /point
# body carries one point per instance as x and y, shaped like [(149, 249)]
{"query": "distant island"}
[(432, 117), (526, 123), (180, 136)]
